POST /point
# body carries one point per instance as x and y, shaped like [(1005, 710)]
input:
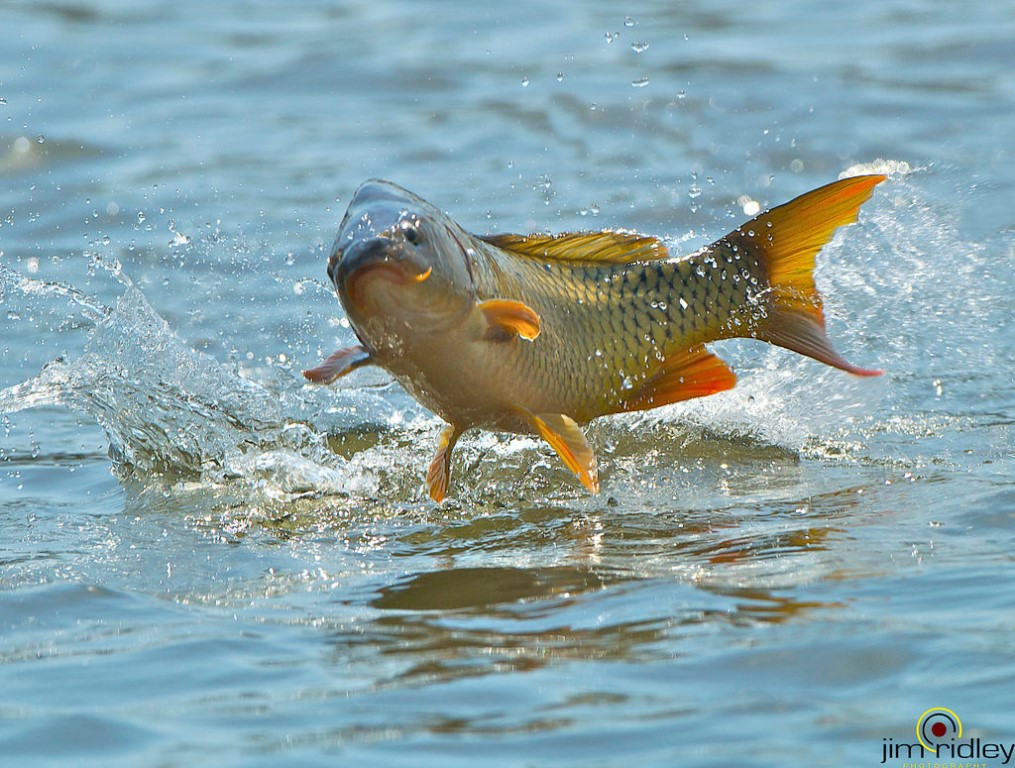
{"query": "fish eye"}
[(411, 232)]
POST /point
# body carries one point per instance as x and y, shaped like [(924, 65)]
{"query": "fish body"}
[(541, 333)]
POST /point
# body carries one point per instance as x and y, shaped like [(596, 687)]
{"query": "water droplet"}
[(40, 139), (751, 207), (611, 36), (560, 77), (525, 82), (694, 191), (640, 47), (641, 82), (3, 101), (681, 94), (683, 302), (629, 22)]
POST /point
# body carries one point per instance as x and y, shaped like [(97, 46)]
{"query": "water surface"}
[(204, 561)]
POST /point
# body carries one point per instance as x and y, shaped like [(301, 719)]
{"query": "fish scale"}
[(613, 310), (543, 333)]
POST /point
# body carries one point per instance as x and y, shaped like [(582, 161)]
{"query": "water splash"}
[(172, 414), (176, 415), (15, 282)]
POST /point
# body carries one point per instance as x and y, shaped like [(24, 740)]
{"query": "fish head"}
[(399, 265)]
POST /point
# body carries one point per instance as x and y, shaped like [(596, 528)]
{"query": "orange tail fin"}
[(786, 239)]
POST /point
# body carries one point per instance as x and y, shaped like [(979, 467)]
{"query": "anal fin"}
[(696, 372)]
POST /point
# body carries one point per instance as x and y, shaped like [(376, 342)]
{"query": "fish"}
[(542, 333)]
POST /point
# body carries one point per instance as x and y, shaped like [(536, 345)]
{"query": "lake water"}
[(205, 562)]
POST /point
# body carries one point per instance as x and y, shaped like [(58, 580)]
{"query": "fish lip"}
[(356, 283), (369, 258)]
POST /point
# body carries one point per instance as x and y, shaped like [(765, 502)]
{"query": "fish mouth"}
[(366, 261)]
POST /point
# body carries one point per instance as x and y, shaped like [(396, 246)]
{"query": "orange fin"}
[(785, 241), (508, 318), (614, 247), (804, 332), (566, 438), (695, 372), (439, 474), (339, 364)]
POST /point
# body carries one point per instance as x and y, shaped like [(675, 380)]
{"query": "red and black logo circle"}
[(936, 726)]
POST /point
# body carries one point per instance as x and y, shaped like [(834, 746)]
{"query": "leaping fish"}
[(540, 334)]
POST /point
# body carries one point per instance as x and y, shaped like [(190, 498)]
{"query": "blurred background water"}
[(203, 561)]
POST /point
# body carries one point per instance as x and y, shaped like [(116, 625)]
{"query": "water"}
[(205, 562)]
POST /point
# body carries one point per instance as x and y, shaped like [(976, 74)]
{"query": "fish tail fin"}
[(785, 241)]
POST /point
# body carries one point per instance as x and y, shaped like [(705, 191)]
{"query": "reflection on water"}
[(461, 589), (442, 625)]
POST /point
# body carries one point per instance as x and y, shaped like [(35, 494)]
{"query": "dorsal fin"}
[(608, 246)]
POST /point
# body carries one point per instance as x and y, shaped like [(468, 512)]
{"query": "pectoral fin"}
[(439, 474), (566, 438), (507, 318), (338, 364)]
